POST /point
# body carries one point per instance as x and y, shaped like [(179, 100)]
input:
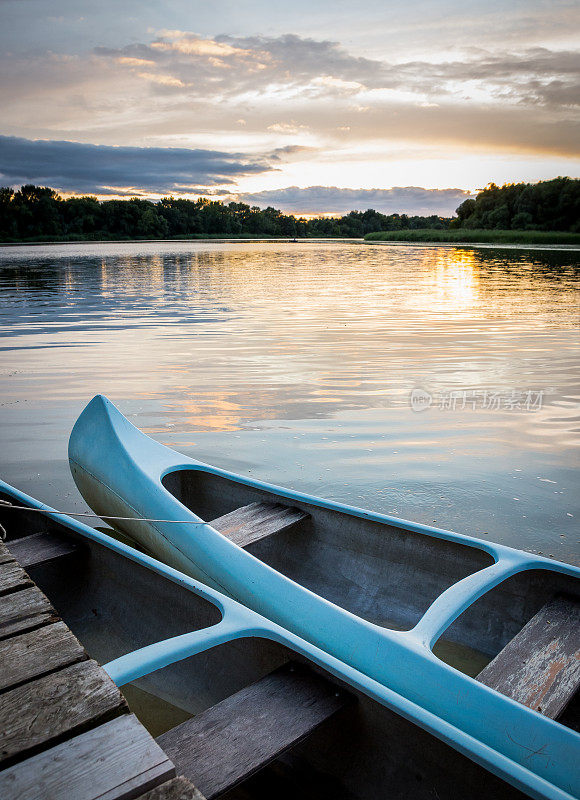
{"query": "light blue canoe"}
[(385, 603)]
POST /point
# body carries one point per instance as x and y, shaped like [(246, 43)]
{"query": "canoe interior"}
[(499, 615), (382, 573)]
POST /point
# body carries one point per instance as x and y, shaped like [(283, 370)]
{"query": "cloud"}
[(536, 75), (290, 151), (230, 65), (333, 200), (76, 167)]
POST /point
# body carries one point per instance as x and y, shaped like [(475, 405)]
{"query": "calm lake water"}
[(296, 363)]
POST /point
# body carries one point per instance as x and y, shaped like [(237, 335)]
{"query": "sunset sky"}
[(313, 107)]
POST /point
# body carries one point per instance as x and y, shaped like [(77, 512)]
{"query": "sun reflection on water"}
[(456, 279)]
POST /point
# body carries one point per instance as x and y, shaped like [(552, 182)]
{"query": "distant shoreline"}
[(208, 237), (185, 239), (396, 239)]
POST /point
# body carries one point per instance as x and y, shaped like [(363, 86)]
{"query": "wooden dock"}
[(65, 728)]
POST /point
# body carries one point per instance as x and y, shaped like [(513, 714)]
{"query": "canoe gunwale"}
[(494, 549)]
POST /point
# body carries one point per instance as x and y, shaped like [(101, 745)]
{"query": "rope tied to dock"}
[(6, 505)]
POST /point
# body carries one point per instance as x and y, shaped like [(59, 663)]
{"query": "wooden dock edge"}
[(65, 728)]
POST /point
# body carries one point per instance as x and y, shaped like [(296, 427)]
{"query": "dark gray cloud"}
[(333, 200), (290, 151), (101, 169)]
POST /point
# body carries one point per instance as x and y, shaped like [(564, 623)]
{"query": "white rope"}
[(8, 506)]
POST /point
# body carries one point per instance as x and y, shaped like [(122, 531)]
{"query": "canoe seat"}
[(39, 548), (540, 667), (251, 523), (232, 740)]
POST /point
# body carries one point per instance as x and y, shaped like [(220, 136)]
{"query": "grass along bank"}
[(472, 235)]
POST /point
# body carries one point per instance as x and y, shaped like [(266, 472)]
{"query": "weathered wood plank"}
[(540, 667), (23, 610), (40, 548), (12, 577), (115, 761), (5, 554), (222, 746), (37, 653), (35, 714), (177, 789), (256, 521)]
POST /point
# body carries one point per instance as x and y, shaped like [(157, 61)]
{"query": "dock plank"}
[(5, 554), (255, 521), (540, 666), (37, 713), (226, 744), (23, 610), (40, 548), (36, 653), (115, 761), (12, 577)]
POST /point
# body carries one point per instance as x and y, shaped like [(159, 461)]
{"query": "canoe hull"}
[(436, 582)]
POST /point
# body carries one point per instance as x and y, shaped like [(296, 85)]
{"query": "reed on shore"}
[(472, 235)]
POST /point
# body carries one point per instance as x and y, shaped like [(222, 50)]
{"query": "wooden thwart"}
[(39, 548), (256, 521), (222, 746), (540, 667), (114, 761)]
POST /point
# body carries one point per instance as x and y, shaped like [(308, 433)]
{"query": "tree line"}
[(36, 213), (545, 206)]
